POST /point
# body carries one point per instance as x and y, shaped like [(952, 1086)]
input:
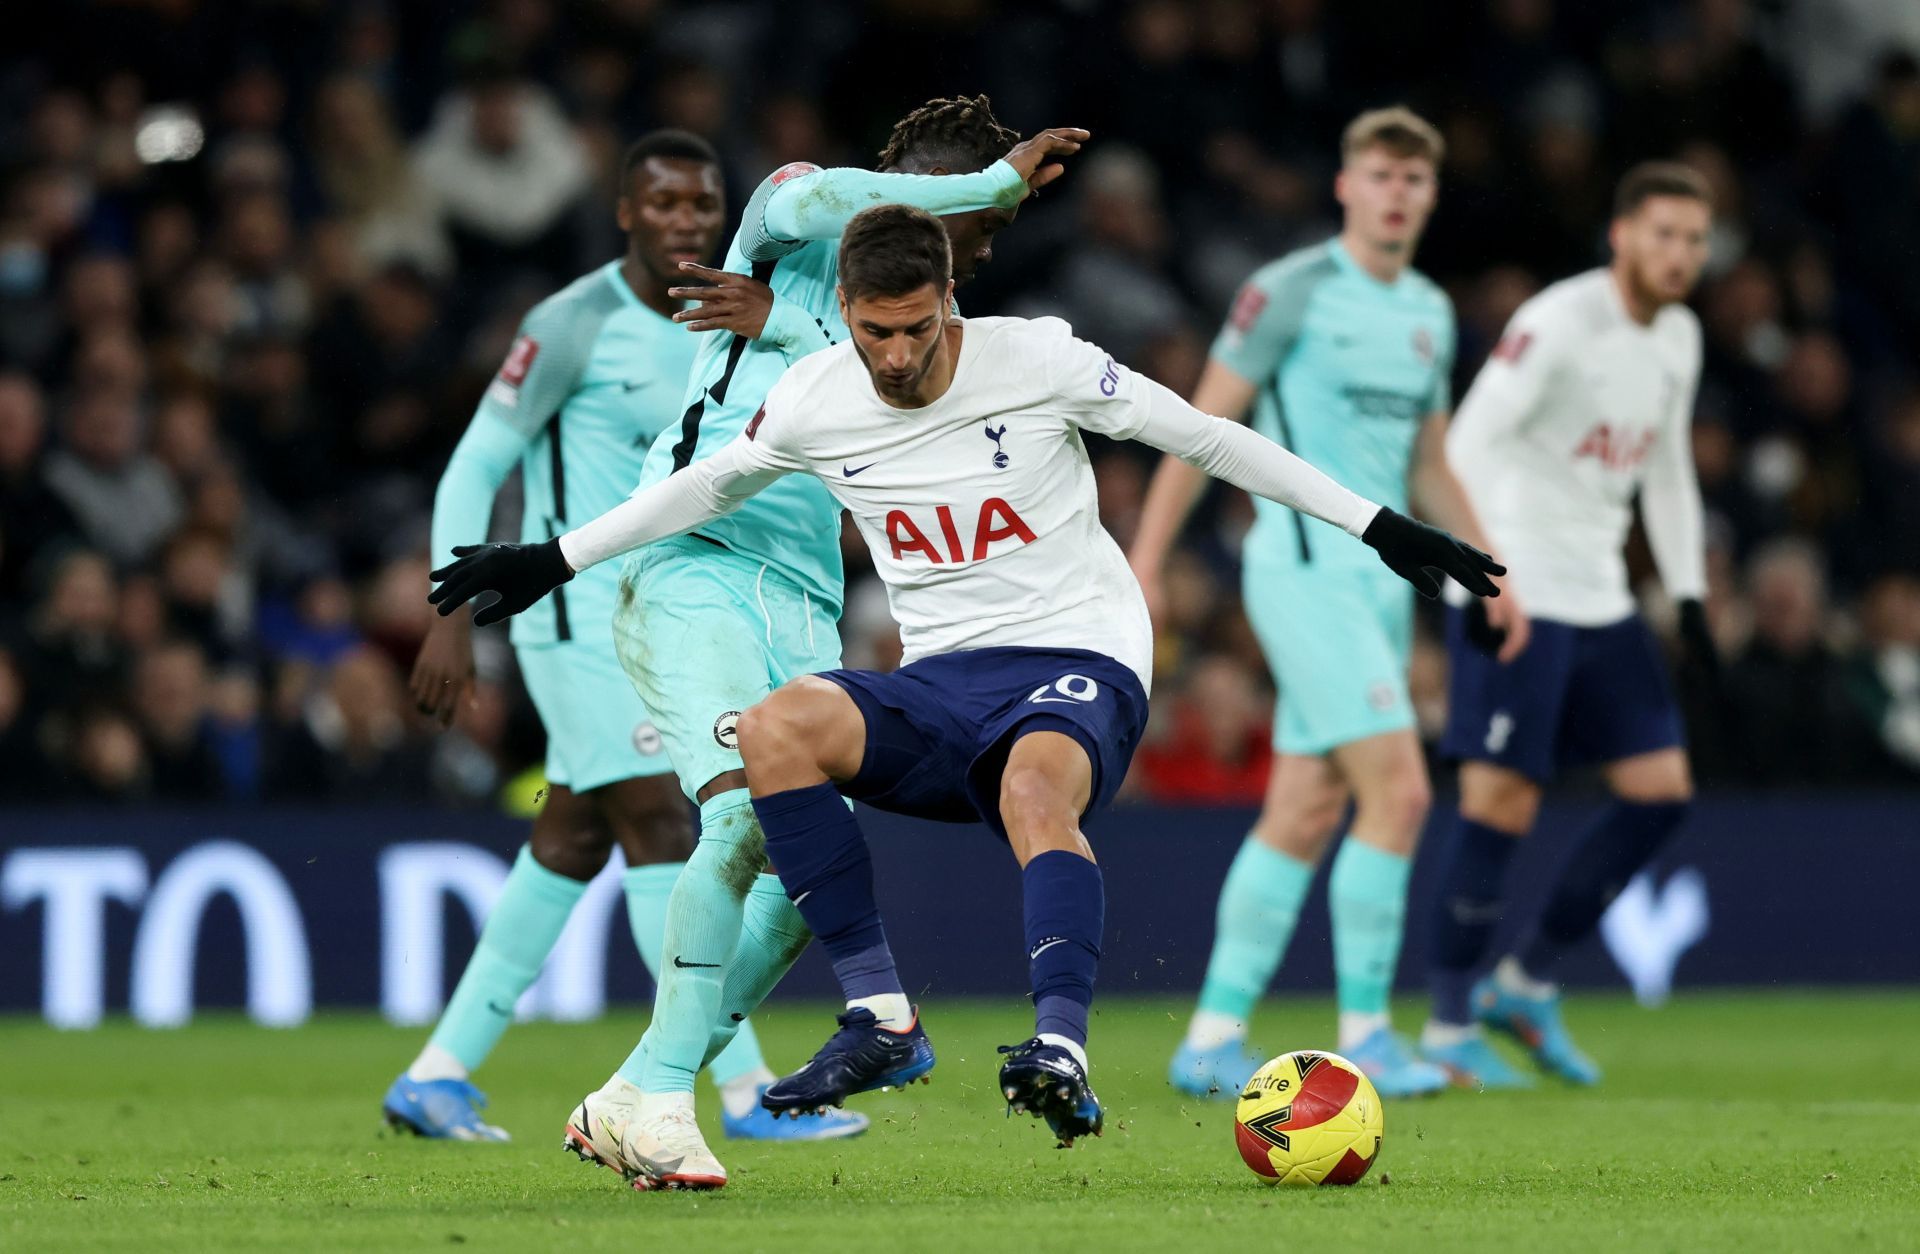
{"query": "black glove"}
[(1481, 633), (1421, 554), (1698, 651), (520, 573)]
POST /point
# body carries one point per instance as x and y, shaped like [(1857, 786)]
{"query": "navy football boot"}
[(1048, 1081), (860, 1057)]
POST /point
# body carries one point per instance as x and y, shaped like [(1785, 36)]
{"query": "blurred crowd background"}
[(258, 260)]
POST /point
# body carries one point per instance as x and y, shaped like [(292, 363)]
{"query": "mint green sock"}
[(1259, 905), (1367, 896), (515, 940), (772, 938), (701, 935), (648, 889)]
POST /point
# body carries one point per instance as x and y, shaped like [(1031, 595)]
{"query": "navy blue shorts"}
[(1575, 696), (939, 730)]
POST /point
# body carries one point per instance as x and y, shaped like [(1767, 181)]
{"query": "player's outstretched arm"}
[(1177, 486), (523, 573), (818, 204), (1226, 450)]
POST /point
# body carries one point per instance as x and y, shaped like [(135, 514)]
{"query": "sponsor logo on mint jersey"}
[(851, 471), (646, 740), (726, 730), (1000, 458), (1110, 379)]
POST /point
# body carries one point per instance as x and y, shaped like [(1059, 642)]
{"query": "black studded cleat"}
[(1048, 1081)]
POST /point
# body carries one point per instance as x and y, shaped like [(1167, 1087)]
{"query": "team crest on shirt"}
[(1423, 345), (726, 730), (646, 740), (1382, 696), (1000, 458)]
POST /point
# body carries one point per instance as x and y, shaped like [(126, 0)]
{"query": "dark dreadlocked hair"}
[(960, 135)]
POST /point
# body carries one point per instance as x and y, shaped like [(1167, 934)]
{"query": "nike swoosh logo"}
[(634, 387), (1054, 701), (851, 471), (505, 1012), (684, 966), (1044, 948), (802, 897)]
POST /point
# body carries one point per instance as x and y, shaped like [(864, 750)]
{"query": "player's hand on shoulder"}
[(520, 573), (1423, 555), (723, 301), (442, 677), (1037, 158)]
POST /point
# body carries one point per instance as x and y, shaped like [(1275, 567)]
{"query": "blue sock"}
[(1602, 862), (1472, 882), (1065, 907), (815, 844), (518, 935)]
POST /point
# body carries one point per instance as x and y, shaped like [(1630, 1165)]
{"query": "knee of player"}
[(1031, 798), (577, 850)]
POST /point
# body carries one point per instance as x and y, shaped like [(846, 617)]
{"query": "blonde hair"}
[(1399, 130)]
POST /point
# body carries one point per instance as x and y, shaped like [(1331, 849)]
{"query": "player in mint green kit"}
[(597, 370), (712, 622), (1342, 352)]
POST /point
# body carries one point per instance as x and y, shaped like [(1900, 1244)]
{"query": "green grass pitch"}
[(1762, 1121)]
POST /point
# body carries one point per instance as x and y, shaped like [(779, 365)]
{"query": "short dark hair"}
[(891, 250), (675, 145), (1659, 178), (960, 135)]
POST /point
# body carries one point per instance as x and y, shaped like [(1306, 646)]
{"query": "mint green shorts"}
[(598, 732), (1338, 643), (704, 633)]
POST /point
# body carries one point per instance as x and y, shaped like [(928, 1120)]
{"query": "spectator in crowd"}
[(1788, 719), (123, 498), (170, 701), (32, 516), (352, 741), (1883, 675)]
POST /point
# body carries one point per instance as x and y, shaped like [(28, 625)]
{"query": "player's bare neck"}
[(1383, 261), (1640, 306), (647, 288)]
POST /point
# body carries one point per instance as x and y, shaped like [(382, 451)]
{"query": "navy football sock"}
[(1471, 889), (1602, 862), (1064, 903), (816, 846)]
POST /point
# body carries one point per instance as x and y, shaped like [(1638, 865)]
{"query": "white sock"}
[(435, 1063), (1210, 1030), (1072, 1046), (1440, 1035), (1513, 977), (893, 1010), (653, 1105), (741, 1095), (1358, 1025)]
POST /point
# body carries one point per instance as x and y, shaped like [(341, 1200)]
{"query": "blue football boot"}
[(1048, 1081), (1396, 1071), (1535, 1023), (1473, 1063), (1220, 1072), (445, 1110), (761, 1124), (860, 1057)]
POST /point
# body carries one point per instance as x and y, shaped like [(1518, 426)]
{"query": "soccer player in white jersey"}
[(955, 443), (1587, 400)]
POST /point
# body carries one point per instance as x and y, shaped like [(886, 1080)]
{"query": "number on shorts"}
[(1072, 687)]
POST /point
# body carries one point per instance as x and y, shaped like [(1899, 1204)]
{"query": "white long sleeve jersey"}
[(1579, 408), (979, 508)]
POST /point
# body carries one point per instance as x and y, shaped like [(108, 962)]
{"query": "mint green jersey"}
[(592, 378), (789, 239), (1348, 368)]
